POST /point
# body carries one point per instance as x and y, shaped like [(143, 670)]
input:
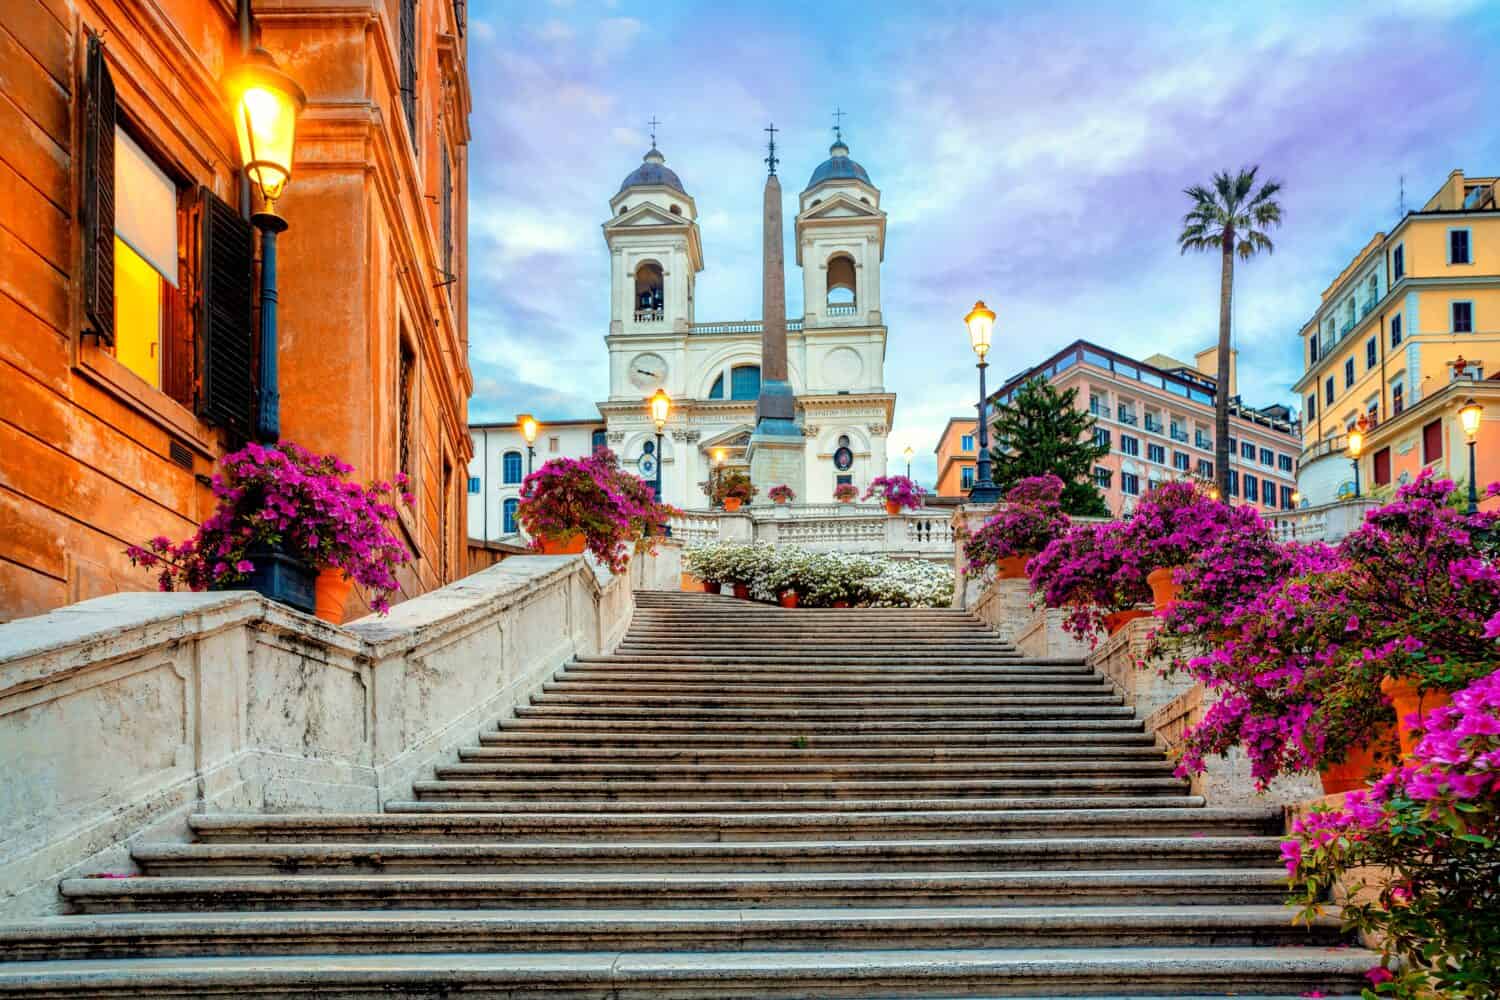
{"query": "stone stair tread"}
[(1030, 737), (764, 807), (1009, 971), (506, 765), (518, 752)]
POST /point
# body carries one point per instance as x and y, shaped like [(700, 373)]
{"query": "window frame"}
[(1468, 246), (1435, 426), (1398, 262), (1396, 331), (1372, 353), (1328, 391), (1349, 373), (1453, 305), (520, 474)]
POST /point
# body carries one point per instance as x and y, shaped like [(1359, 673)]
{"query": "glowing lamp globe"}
[(1469, 415), (661, 408), (266, 105), (528, 427), (1357, 437), (981, 324)]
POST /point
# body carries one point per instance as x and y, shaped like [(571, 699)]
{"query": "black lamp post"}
[(660, 405), (1469, 415), (981, 324), (1357, 446), (267, 103)]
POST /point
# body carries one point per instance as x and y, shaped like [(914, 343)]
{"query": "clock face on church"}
[(648, 372)]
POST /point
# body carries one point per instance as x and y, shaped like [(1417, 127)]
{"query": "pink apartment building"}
[(1157, 417)]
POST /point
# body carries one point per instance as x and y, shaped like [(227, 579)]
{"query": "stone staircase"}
[(742, 801)]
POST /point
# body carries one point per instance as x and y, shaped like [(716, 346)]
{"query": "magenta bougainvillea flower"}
[(1031, 518), (898, 490), (614, 511)]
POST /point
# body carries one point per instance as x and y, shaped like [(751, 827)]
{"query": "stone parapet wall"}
[(1005, 606), (1041, 634), (123, 715), (1122, 658)]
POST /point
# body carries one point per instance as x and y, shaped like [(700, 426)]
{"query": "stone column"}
[(776, 450)]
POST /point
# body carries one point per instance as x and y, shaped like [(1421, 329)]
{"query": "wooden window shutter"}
[(99, 196), (226, 307), (178, 352), (408, 43), (447, 208)]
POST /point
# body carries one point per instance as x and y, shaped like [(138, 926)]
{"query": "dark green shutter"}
[(99, 196), (226, 309), (447, 207), (408, 46)]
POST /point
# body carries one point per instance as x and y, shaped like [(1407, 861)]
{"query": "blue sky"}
[(1031, 154)]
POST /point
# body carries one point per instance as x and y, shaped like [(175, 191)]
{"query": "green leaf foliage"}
[(1040, 432)]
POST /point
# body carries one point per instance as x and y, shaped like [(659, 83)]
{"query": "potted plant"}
[(290, 526), (1173, 523), (785, 577), (1092, 571), (845, 492), (1028, 522), (570, 505), (781, 494), (732, 489), (898, 492), (705, 563)]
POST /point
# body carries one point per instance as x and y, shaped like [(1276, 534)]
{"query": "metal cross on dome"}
[(838, 123), (771, 159), (653, 123)]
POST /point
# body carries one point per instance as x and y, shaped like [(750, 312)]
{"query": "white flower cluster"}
[(822, 578)]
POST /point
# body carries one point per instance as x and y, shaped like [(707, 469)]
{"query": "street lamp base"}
[(984, 493)]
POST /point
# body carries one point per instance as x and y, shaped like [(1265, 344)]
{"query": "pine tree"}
[(1040, 431)]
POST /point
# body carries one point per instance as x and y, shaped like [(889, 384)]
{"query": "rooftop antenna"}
[(1402, 202), (652, 124), (838, 124), (771, 158)]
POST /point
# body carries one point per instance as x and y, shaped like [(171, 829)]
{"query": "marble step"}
[(503, 767), (1285, 971), (1022, 669), (540, 753), (873, 729), (1178, 885), (441, 857), (869, 711), (747, 654), (663, 681), (476, 801), (1007, 820), (609, 736), (843, 699), (365, 932)]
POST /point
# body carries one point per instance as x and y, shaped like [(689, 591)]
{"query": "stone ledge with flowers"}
[(573, 505), (797, 577)]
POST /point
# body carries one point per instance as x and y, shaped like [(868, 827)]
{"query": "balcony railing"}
[(649, 315), (1153, 425), (742, 326), (1180, 436), (1126, 417), (1345, 328), (842, 309), (1204, 441)]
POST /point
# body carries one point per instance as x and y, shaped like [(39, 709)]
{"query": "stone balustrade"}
[(1327, 522), (839, 527), (122, 715)]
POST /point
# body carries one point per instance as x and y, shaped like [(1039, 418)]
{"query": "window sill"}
[(102, 369)]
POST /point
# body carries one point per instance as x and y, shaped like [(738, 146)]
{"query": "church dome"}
[(838, 167), (653, 172)]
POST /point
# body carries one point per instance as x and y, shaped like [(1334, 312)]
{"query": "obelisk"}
[(776, 447)]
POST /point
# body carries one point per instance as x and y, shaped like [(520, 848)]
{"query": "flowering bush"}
[(1419, 854), (289, 499), (845, 492), (1299, 660), (898, 490), (822, 578), (612, 509), (1031, 519), (1174, 523), (1091, 570), (781, 494)]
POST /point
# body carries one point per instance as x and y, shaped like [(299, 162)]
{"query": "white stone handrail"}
[(1324, 523), (846, 527)]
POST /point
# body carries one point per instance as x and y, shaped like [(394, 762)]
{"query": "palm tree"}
[(1229, 216)]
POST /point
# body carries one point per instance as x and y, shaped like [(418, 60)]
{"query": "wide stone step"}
[(658, 771), (844, 699), (697, 639), (750, 791), (1287, 971), (879, 656), (787, 683), (451, 799), (1023, 669), (1138, 887), (873, 729), (441, 857), (1150, 817), (814, 715), (540, 753), (365, 932), (1094, 736)]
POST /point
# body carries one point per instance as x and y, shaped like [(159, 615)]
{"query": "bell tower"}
[(840, 242), (655, 251)]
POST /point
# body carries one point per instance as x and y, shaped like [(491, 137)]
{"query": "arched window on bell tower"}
[(842, 293), (649, 284)]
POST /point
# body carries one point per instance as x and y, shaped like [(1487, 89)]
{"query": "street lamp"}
[(908, 454), (266, 105), (713, 483), (1356, 446), (528, 431), (981, 324), (661, 408), (1296, 498), (1469, 415)]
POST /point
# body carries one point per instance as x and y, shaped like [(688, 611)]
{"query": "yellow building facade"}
[(1403, 336)]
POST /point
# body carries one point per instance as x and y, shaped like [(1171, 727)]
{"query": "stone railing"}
[(842, 310), (922, 533), (1325, 523), (742, 326), (122, 715)]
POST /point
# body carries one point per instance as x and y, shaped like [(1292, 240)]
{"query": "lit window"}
[(145, 258)]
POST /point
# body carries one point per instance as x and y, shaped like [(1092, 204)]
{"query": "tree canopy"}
[(1040, 431)]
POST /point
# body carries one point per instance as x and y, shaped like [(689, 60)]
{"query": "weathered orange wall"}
[(951, 458), (84, 445)]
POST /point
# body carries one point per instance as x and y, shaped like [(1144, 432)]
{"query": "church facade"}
[(712, 370)]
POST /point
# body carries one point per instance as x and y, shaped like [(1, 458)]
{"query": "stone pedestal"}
[(776, 459)]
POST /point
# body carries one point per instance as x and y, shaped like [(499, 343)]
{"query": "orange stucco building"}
[(127, 331), (956, 457)]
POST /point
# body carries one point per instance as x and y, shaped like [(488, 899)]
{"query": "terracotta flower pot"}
[(1359, 765), (892, 508), (779, 500), (731, 504), (331, 593), (1012, 567), (742, 591), (1408, 700), (840, 604), (570, 546), (789, 599), (844, 499), (1116, 620), (712, 586), (1164, 589)]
